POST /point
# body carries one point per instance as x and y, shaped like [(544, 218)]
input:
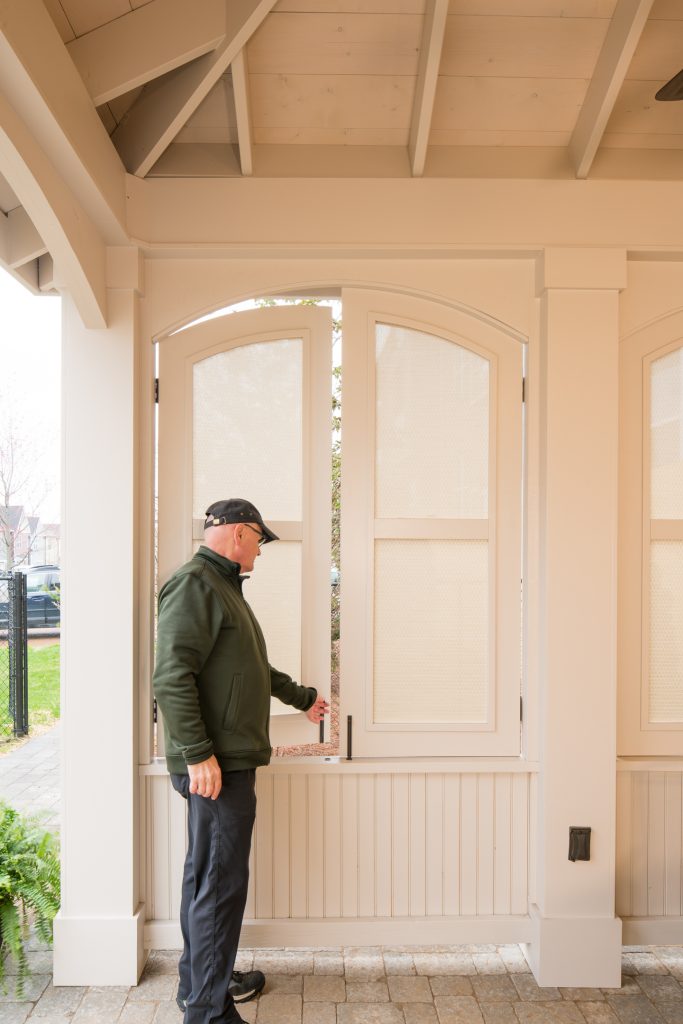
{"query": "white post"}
[(577, 938), (98, 932)]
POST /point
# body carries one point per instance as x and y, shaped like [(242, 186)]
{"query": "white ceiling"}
[(510, 81)]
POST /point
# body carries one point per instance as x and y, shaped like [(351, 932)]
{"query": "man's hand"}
[(317, 711), (206, 778)]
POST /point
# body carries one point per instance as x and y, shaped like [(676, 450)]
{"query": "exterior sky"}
[(30, 387)]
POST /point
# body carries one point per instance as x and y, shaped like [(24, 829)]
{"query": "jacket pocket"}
[(232, 707)]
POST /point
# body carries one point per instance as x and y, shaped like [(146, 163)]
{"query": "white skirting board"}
[(653, 931), (326, 932)]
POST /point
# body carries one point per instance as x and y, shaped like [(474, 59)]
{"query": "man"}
[(213, 684)]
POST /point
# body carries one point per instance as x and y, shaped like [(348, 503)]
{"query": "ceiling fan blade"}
[(673, 90)]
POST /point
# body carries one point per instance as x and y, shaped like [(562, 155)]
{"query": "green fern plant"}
[(29, 888)]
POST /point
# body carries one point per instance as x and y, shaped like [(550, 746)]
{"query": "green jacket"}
[(212, 679)]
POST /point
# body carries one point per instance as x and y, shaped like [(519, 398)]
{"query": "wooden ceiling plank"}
[(507, 104), (148, 42), (240, 89), (342, 102), (612, 65), (330, 44), (87, 15), (507, 47), (427, 77), (164, 107)]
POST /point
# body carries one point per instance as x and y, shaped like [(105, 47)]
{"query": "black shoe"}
[(182, 1004), (246, 985)]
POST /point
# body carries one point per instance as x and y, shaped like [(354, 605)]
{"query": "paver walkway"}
[(29, 777), (457, 985)]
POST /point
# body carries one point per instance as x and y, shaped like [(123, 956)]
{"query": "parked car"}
[(42, 596)]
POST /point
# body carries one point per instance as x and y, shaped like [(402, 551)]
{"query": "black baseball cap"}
[(236, 510)]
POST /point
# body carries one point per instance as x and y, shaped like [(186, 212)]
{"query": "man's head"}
[(234, 528)]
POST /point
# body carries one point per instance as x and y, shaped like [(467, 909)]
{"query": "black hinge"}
[(524, 389), (156, 390), (154, 710), (521, 709)]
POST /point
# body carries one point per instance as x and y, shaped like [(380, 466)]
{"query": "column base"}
[(575, 952), (99, 950)]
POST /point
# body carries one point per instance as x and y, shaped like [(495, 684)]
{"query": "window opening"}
[(665, 649), (330, 746)]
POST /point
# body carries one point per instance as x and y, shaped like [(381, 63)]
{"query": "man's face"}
[(248, 540)]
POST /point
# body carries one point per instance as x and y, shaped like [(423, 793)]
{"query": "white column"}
[(98, 932), (577, 939)]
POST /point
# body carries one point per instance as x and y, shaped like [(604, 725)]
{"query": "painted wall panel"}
[(649, 862), (347, 845), (673, 843), (502, 849)]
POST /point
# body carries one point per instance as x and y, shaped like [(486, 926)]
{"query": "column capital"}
[(125, 268), (599, 269)]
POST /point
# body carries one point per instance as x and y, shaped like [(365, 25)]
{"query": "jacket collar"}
[(224, 565)]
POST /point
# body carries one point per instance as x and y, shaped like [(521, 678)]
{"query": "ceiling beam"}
[(163, 107), (240, 89), (21, 241), (626, 26), (39, 81), (150, 41), (63, 224), (427, 77)]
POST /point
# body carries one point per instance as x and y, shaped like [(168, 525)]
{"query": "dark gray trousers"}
[(214, 894)]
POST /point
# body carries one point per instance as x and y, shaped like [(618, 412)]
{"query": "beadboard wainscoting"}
[(649, 890), (352, 852)]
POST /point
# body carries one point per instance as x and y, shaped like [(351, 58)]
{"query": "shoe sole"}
[(246, 997)]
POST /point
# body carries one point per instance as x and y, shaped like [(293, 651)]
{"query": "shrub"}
[(29, 888)]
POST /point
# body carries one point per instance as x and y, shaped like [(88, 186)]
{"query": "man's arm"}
[(285, 689), (189, 622), (305, 698)]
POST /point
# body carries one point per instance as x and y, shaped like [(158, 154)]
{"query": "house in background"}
[(45, 547), (25, 541), (495, 196)]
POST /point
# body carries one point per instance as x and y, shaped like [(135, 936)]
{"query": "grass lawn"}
[(43, 685), (43, 690)]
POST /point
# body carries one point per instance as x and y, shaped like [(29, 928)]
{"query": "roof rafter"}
[(63, 224), (240, 88), (40, 82), (628, 22), (163, 108), (427, 77), (150, 41)]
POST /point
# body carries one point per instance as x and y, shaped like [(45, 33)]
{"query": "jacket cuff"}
[(198, 752), (312, 694)]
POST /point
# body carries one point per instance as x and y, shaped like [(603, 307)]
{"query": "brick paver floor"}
[(389, 985)]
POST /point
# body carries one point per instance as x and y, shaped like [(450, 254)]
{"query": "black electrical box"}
[(579, 843)]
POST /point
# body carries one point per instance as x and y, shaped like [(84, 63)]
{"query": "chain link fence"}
[(13, 655)]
